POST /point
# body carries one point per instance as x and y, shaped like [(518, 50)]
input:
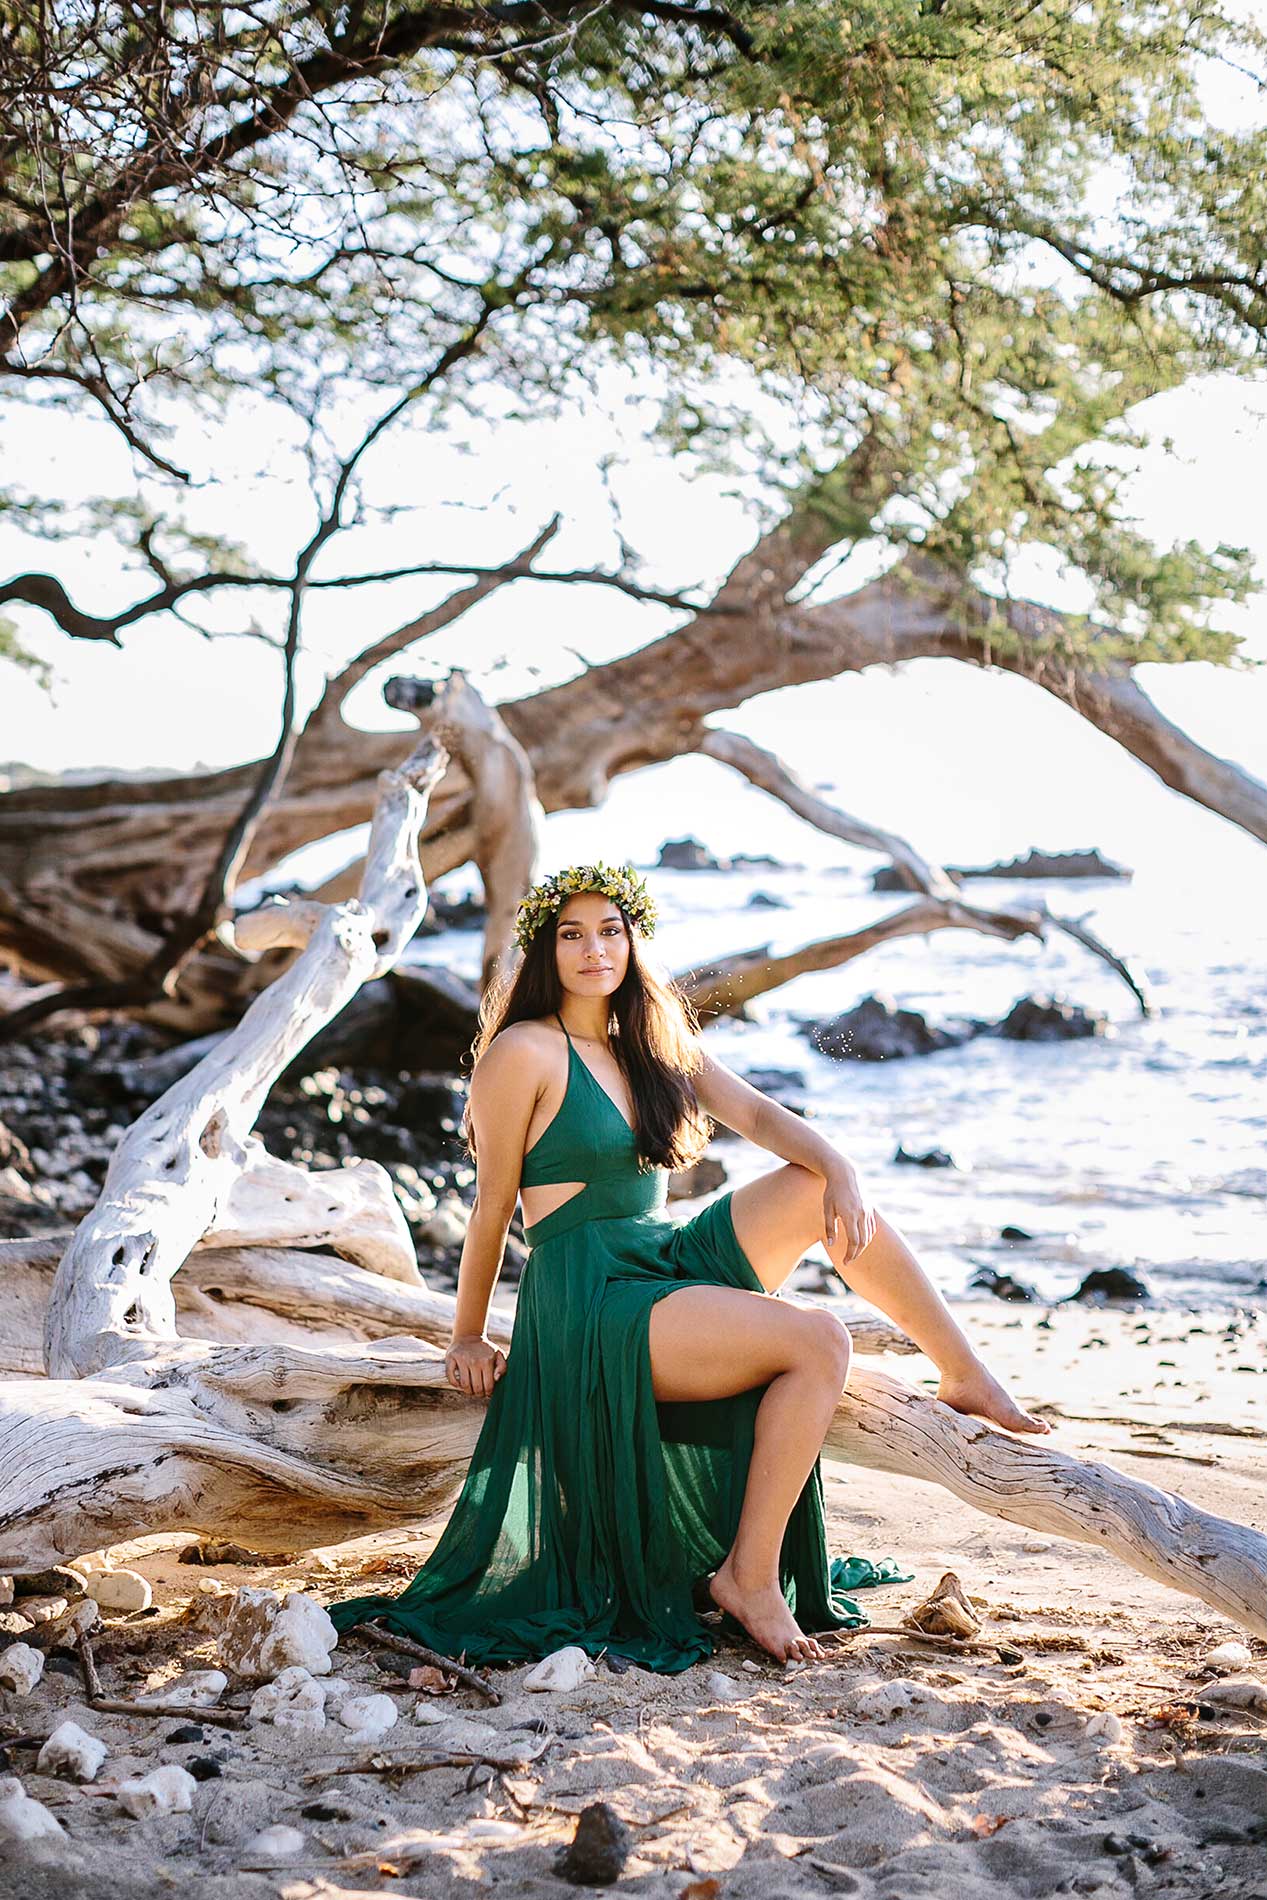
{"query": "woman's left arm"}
[(767, 1124)]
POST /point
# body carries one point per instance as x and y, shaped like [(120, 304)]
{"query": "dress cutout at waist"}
[(589, 1140)]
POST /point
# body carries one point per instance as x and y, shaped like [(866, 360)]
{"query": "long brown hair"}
[(654, 1037)]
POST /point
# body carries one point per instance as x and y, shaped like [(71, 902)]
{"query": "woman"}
[(651, 1443)]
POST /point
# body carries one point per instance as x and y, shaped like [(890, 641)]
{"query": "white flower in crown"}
[(619, 882)]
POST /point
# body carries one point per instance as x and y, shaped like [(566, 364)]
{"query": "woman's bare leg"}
[(712, 1342), (778, 1216)]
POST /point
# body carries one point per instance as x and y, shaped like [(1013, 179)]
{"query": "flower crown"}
[(620, 882)]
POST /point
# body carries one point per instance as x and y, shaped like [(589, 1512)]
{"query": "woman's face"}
[(591, 946)]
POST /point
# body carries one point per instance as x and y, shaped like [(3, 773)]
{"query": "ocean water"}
[(1145, 1149)]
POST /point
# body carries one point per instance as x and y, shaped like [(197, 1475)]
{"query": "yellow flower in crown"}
[(619, 882)]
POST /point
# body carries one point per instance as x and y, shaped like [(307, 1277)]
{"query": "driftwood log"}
[(286, 1445), (296, 1441)]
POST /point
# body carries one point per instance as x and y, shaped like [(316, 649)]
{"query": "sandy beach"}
[(1073, 1750)]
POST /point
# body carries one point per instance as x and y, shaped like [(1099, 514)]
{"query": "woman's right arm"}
[(505, 1085)]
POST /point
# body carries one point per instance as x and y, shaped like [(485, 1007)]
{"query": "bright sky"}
[(971, 764)]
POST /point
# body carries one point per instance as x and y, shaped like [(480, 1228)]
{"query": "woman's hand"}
[(473, 1364), (848, 1216)]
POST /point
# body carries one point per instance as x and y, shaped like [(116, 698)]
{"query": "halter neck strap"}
[(563, 1026)]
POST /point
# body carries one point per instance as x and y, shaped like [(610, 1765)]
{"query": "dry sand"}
[(893, 1770)]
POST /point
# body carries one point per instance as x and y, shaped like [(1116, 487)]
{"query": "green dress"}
[(591, 1513)]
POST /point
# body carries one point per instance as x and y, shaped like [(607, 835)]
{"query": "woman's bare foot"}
[(765, 1615), (979, 1392)]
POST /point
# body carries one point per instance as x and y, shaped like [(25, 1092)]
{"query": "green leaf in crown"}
[(619, 882)]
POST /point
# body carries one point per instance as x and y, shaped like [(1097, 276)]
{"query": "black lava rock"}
[(935, 1158), (876, 1030), (1111, 1283), (688, 854), (1002, 1285), (598, 1850), (1049, 1019)]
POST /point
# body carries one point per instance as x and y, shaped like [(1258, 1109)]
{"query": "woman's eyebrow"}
[(612, 917)]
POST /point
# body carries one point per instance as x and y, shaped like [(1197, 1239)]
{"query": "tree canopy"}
[(958, 242)]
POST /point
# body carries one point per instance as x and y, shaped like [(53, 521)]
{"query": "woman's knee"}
[(830, 1343)]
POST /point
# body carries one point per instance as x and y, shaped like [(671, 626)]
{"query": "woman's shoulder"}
[(531, 1042)]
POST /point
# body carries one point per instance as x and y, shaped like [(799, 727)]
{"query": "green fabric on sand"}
[(591, 1514)]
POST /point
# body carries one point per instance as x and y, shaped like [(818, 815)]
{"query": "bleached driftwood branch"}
[(507, 815), (264, 1295), (190, 1167), (286, 1446), (770, 774), (731, 982)]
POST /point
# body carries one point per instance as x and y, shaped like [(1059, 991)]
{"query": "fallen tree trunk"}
[(86, 871), (280, 1446)]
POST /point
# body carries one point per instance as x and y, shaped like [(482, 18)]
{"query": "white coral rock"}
[(561, 1669), (20, 1668), (21, 1818), (165, 1790), (369, 1717), (294, 1702), (119, 1590), (261, 1635), (71, 1748), (274, 1843), (1228, 1658)]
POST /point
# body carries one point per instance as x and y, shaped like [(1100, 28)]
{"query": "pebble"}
[(119, 1590), (1228, 1658), (165, 1790), (71, 1748), (562, 1669), (6, 1590), (724, 1688), (427, 1714), (21, 1818), (1105, 1727), (20, 1668)]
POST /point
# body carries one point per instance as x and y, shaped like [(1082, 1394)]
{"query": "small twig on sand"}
[(373, 1632), (916, 1636), (114, 1705), (419, 1764)]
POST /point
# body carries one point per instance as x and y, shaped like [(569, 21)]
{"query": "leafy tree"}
[(894, 217)]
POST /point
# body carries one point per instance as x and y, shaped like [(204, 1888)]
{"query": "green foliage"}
[(946, 248), (11, 649)]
